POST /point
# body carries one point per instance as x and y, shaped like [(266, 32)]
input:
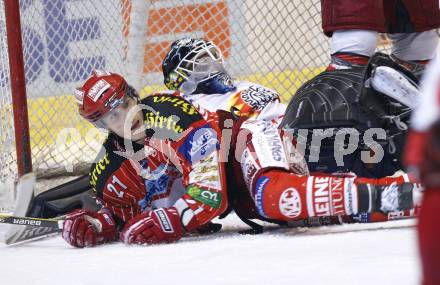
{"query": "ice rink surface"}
[(381, 253)]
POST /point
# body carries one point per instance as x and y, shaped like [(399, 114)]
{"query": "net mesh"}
[(7, 141), (276, 43)]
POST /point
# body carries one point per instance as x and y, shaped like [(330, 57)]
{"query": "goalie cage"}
[(275, 43)]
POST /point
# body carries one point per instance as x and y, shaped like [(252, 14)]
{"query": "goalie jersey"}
[(247, 100)]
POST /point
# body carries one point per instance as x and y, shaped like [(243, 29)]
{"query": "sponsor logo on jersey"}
[(204, 141), (164, 221), (326, 196), (248, 167), (210, 198), (274, 141), (258, 97), (320, 196), (348, 193), (206, 172), (98, 89), (98, 169), (200, 143), (186, 107), (157, 187), (337, 195), (155, 120), (290, 203), (260, 187), (362, 217)]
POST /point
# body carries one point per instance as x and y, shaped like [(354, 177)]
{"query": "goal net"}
[(276, 43)]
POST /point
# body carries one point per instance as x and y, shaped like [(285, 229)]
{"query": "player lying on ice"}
[(376, 96), (379, 94), (168, 168)]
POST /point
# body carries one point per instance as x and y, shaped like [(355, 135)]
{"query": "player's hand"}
[(84, 228), (158, 226)]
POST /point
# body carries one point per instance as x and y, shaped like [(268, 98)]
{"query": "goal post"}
[(18, 87), (59, 44)]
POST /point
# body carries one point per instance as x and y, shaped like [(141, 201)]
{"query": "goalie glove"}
[(83, 228), (158, 226)]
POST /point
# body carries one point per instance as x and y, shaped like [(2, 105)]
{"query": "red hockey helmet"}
[(102, 92)]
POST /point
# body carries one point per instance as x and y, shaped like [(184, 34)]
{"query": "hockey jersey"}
[(179, 165), (248, 99)]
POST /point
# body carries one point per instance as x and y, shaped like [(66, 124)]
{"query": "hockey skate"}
[(396, 85)]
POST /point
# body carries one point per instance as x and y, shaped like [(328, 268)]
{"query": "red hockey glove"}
[(83, 228), (158, 226)]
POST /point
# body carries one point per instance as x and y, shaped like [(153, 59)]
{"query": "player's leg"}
[(415, 46), (429, 236), (351, 48), (276, 176), (412, 28), (353, 29), (285, 196)]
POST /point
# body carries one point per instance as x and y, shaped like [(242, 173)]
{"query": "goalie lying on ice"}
[(168, 168)]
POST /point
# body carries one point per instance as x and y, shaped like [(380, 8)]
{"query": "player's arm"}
[(195, 152), (204, 176), (118, 188)]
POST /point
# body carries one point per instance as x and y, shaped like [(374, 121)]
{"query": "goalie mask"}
[(196, 66), (102, 93)]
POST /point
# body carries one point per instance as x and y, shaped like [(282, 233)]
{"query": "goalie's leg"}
[(285, 196)]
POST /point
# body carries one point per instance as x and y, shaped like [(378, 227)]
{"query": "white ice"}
[(381, 253)]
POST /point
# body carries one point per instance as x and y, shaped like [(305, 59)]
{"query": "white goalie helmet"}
[(192, 64)]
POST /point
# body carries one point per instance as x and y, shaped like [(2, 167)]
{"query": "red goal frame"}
[(18, 87)]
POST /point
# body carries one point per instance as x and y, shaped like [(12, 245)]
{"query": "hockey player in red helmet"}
[(195, 165), (104, 100), (195, 67)]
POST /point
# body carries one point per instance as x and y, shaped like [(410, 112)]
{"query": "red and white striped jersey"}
[(180, 165)]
